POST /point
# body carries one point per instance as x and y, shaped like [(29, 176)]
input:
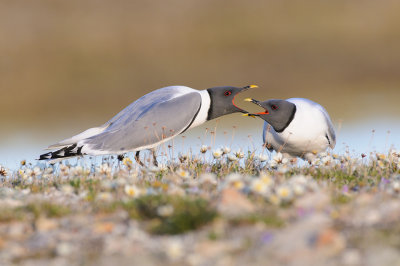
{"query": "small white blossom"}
[(132, 191), (208, 178), (274, 199), (396, 186), (183, 173), (239, 154), (217, 153), (232, 158), (104, 169), (203, 148), (278, 159), (298, 189), (226, 150), (267, 179), (235, 180), (284, 192), (105, 196), (259, 186), (262, 157), (183, 157)]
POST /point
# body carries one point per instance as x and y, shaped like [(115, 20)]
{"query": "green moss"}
[(340, 199), (188, 214), (45, 209), (269, 219), (9, 214)]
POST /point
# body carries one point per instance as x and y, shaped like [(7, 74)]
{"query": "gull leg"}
[(138, 159), (153, 152)]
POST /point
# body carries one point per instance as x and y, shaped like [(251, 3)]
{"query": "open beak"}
[(259, 104), (245, 88)]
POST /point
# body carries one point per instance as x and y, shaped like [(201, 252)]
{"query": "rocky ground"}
[(229, 209)]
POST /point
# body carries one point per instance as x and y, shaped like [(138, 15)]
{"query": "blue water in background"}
[(356, 138)]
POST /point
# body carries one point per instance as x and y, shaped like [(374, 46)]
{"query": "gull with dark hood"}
[(296, 126), (151, 120)]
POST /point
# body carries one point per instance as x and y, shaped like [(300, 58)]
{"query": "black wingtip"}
[(69, 151)]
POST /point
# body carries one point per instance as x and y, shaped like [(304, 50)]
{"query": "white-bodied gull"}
[(149, 121), (296, 127)]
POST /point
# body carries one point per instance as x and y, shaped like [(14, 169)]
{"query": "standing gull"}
[(296, 127), (149, 121)]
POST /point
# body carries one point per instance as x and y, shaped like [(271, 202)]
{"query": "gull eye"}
[(227, 93), (274, 107)]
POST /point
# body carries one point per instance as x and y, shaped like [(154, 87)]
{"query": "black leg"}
[(138, 159), (153, 151)]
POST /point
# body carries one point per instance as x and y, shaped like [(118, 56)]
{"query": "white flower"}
[(105, 196), (132, 191), (48, 171), (208, 178), (278, 159), (22, 173), (274, 199), (396, 186), (232, 158), (162, 167), (203, 148), (235, 180), (380, 156), (104, 169), (259, 186), (78, 171), (26, 191), (284, 192), (165, 210), (381, 164), (298, 189), (226, 150), (183, 157), (299, 179), (183, 173), (326, 160), (266, 179), (67, 189), (174, 249), (316, 161), (323, 154), (3, 171), (262, 157), (64, 170), (283, 168), (239, 154), (37, 171), (217, 153)]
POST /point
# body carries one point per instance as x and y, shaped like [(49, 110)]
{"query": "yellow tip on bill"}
[(249, 115), (253, 86), (248, 100)]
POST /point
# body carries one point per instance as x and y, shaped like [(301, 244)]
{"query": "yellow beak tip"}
[(253, 86), (249, 115), (248, 99)]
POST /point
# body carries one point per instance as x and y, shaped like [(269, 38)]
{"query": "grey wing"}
[(330, 134), (266, 130), (147, 126), (139, 107)]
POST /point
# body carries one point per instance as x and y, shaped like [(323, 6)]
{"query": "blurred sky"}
[(69, 65)]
